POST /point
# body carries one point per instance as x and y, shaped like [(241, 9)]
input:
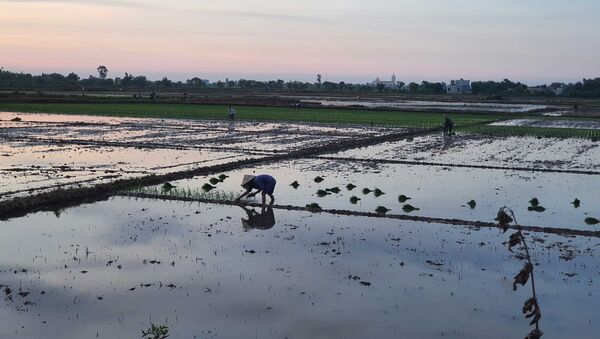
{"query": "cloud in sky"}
[(350, 40)]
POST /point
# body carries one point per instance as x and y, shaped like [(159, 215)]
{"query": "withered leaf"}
[(514, 240), (503, 219), (528, 305), (523, 276), (534, 334)]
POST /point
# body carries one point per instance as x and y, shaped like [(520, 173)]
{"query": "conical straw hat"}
[(247, 178)]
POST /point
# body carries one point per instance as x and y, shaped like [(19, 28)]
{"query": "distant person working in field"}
[(264, 183), (448, 124), (231, 112)]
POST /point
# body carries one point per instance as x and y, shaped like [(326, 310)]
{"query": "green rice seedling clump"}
[(409, 208), (322, 193), (402, 198), (591, 221), (381, 209)]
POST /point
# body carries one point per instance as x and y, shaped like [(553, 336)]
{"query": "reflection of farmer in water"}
[(260, 221), (448, 124), (264, 183)]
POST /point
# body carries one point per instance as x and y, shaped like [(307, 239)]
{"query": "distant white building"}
[(459, 87), (387, 84)]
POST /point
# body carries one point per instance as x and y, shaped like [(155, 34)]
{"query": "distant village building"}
[(459, 87), (387, 84)]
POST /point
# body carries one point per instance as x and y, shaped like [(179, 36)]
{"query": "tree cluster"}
[(588, 88)]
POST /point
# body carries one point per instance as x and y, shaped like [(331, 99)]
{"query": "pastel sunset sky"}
[(532, 41)]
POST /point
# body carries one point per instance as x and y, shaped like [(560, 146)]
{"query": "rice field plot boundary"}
[(223, 200)]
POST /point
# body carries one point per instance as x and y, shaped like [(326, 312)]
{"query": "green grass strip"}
[(219, 112)]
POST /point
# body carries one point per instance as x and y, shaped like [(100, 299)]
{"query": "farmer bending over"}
[(263, 183), (448, 124)]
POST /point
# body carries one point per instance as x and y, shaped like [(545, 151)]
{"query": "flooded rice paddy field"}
[(109, 269), (438, 191), (176, 133), (43, 151), (558, 123), (433, 105), (473, 149)]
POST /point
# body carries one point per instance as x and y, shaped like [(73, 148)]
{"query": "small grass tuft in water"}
[(354, 199), (378, 192), (381, 210), (313, 206), (402, 198), (333, 190), (534, 202), (366, 191), (156, 332), (350, 187), (537, 208), (322, 193), (208, 187), (409, 208), (167, 186), (472, 204), (295, 184), (591, 221), (318, 179)]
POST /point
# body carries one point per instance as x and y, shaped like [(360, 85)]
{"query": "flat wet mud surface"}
[(109, 269), (482, 150), (562, 123), (421, 105), (44, 151)]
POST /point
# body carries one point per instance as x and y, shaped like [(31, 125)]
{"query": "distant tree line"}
[(587, 88)]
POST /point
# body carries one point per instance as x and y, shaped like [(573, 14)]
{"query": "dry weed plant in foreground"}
[(531, 308)]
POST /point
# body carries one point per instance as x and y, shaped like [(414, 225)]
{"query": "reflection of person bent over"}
[(263, 183)]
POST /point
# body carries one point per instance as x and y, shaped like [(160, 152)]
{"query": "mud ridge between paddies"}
[(444, 221), (425, 163), (62, 198)]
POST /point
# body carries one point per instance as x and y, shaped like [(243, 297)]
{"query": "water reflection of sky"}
[(438, 191), (290, 280)]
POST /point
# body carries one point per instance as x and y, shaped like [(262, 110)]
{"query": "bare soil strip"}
[(425, 163), (62, 198), (445, 221)]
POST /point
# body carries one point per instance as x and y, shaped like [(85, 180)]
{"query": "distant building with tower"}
[(459, 87), (387, 84)]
